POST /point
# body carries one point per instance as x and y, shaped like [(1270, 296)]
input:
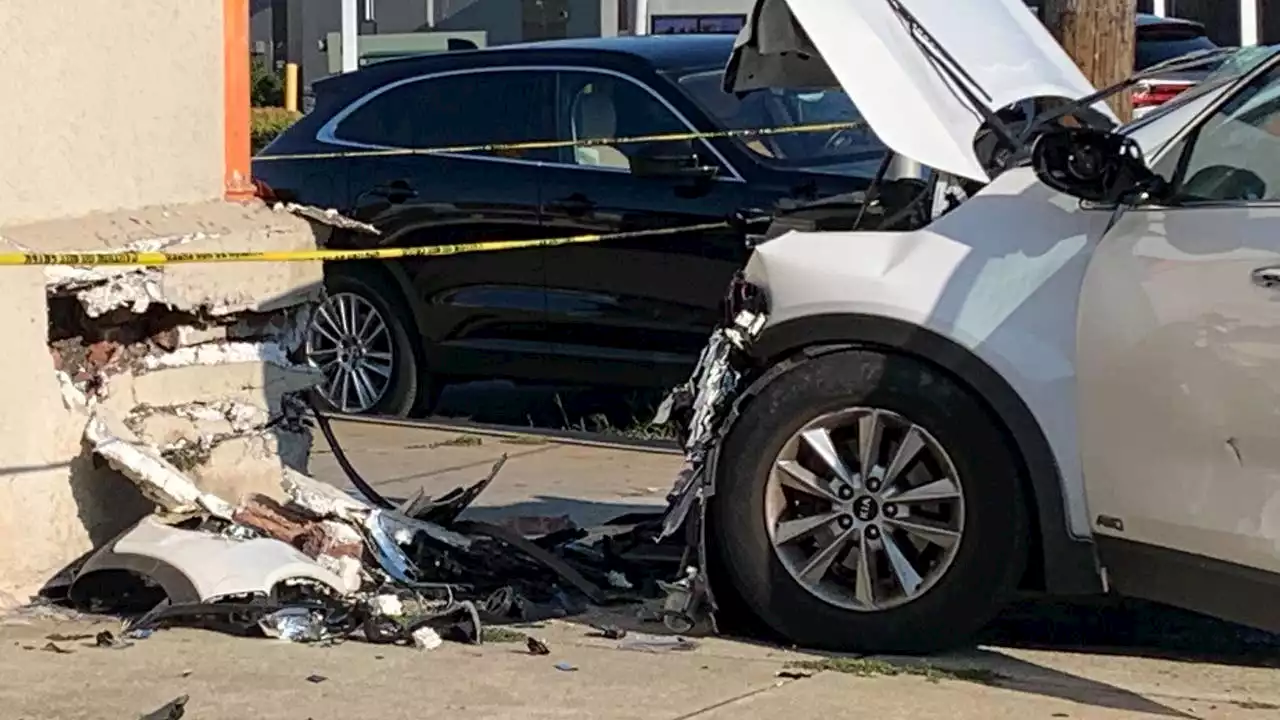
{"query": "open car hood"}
[(911, 91)]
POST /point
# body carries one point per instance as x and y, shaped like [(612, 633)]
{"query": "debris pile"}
[(325, 565)]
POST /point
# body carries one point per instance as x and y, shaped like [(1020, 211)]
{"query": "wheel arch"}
[(1060, 563)]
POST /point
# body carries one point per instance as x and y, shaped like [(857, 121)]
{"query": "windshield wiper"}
[(953, 71)]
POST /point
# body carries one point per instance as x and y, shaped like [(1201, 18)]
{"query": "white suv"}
[(1067, 383)]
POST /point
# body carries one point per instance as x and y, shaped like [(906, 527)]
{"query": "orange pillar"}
[(235, 62)]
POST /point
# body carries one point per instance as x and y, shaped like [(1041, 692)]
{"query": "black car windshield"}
[(847, 151), (1158, 48)]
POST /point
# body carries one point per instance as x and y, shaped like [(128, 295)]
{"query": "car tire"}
[(393, 363), (983, 568)]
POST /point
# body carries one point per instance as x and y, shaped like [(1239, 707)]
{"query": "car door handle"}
[(575, 204), (396, 191), (1267, 277)]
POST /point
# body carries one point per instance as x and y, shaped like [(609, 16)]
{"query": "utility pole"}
[(1099, 36)]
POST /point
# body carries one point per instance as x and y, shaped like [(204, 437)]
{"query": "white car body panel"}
[(216, 566), (1179, 362), (1007, 295), (1144, 341), (912, 107)]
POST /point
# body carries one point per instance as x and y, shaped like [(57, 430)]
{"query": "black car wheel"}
[(866, 502), (362, 341)]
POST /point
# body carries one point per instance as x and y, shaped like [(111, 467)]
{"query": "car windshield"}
[(1158, 48), (847, 151)]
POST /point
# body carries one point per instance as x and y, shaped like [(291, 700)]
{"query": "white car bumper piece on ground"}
[(1029, 392)]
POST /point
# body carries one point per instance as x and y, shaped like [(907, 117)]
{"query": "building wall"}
[(700, 7), (95, 86), (112, 138), (310, 21)]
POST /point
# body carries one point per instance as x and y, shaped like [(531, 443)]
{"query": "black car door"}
[(479, 314), (632, 312)]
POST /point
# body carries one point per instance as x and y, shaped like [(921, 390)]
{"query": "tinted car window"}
[(458, 110), (1159, 44), (600, 106), (1235, 154), (857, 151)]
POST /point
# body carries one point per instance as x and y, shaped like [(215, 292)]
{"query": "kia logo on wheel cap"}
[(865, 508)]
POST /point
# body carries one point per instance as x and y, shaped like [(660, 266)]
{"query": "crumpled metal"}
[(295, 624)]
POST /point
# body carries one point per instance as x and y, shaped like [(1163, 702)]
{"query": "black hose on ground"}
[(326, 429)]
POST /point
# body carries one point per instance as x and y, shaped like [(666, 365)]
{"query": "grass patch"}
[(1255, 705), (635, 429), (459, 441), (524, 440), (872, 667), (500, 635)]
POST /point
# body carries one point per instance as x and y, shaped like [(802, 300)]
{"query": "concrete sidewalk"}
[(589, 483), (240, 679), (237, 679)]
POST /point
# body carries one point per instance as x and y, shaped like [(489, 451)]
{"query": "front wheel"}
[(867, 503)]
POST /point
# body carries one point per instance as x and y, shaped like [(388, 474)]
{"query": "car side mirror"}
[(671, 160), (1094, 165)]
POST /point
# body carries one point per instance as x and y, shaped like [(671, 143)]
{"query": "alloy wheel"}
[(864, 509), (349, 341)]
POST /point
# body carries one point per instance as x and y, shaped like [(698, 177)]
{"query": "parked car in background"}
[(631, 313), (1160, 39)]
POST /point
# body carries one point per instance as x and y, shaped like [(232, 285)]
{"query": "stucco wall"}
[(108, 105), (112, 138)]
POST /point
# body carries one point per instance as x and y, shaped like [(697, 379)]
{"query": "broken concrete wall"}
[(192, 359), (120, 144)]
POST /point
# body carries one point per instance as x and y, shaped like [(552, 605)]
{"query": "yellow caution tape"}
[(170, 258), (546, 144)]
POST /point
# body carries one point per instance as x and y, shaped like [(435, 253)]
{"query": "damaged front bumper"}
[(702, 409), (195, 566)]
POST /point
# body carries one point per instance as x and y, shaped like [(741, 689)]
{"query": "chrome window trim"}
[(326, 133)]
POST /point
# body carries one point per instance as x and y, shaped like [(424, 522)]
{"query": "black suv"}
[(630, 313)]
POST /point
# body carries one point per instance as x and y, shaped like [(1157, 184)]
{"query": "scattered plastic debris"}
[(172, 710), (658, 644), (317, 679), (105, 639), (619, 580), (388, 605), (793, 674), (425, 638), (609, 632), (566, 667), (55, 649), (295, 624), (322, 565)]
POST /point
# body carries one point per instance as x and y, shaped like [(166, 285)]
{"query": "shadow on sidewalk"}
[(1113, 628)]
